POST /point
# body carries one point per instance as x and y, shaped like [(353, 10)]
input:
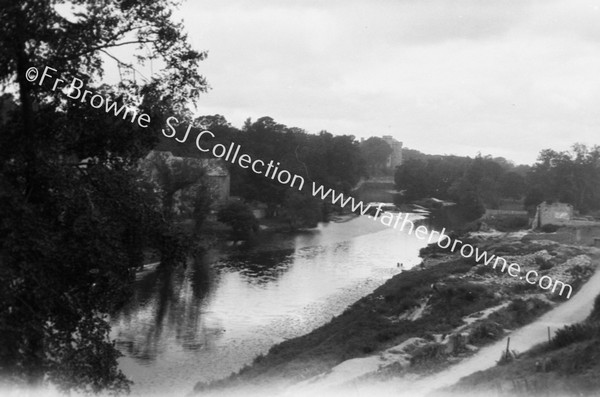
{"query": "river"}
[(204, 321)]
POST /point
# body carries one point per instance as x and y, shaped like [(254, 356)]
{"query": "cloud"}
[(505, 77)]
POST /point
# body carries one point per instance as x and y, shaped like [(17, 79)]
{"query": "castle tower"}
[(395, 158)]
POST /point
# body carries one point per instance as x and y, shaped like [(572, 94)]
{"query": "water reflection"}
[(164, 302), (216, 315), (257, 267)]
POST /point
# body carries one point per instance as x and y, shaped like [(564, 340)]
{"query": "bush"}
[(452, 301), (574, 333), (524, 288), (485, 331), (483, 269), (549, 228), (239, 217), (519, 312), (433, 352), (544, 264)]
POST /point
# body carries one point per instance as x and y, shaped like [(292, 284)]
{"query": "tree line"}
[(335, 161), (482, 182)]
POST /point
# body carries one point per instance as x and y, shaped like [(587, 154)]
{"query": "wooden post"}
[(507, 346), (549, 334)]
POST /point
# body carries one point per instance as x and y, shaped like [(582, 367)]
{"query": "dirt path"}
[(574, 310)]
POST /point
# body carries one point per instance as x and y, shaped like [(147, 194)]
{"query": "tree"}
[(75, 212), (375, 152), (534, 198), (301, 210), (512, 185), (410, 178), (333, 161), (201, 207), (172, 175), (468, 201), (571, 177), (240, 218)]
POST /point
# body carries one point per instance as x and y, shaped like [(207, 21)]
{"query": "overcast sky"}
[(506, 78)]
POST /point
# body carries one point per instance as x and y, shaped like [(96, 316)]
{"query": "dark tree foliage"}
[(333, 161), (172, 177), (241, 219), (534, 197), (570, 177), (430, 178), (75, 214), (375, 152), (512, 185), (410, 178), (201, 207), (471, 183), (301, 210)]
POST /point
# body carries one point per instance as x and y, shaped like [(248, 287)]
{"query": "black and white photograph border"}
[(299, 198)]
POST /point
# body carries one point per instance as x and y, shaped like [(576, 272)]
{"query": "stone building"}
[(554, 214), (395, 158), (218, 178), (214, 171)]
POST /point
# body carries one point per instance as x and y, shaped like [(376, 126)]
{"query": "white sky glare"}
[(506, 78)]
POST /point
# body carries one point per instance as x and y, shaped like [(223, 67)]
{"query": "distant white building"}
[(395, 158)]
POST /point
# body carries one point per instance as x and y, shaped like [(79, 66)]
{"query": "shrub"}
[(453, 301), (432, 352), (575, 283), (485, 331), (521, 288), (546, 265), (519, 312), (483, 269), (574, 333), (240, 217)]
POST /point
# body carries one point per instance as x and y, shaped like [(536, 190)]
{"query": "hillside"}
[(423, 320), (568, 365)]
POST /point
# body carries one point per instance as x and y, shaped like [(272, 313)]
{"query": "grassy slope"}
[(567, 366)]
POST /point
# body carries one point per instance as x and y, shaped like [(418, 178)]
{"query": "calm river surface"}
[(210, 319)]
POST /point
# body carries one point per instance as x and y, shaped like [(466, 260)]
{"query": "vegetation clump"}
[(241, 219), (575, 333)]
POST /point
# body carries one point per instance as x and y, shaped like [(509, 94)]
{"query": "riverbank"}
[(564, 364), (420, 321), (206, 320)]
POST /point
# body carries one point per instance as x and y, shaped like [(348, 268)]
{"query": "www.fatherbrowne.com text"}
[(75, 90)]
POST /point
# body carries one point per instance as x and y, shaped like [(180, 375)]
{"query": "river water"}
[(205, 321)]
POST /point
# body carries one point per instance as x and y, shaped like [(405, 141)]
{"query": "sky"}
[(506, 78), (500, 77)]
